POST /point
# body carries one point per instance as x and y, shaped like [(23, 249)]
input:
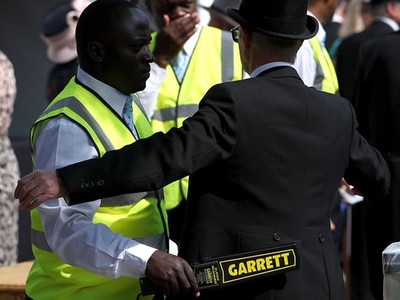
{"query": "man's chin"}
[(141, 87)]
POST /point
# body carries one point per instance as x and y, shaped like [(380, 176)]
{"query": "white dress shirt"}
[(305, 62), (69, 230), (393, 24), (257, 71)]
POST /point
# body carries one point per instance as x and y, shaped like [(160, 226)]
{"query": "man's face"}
[(173, 8), (128, 56)]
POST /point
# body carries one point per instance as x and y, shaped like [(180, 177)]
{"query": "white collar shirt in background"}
[(393, 24), (305, 62)]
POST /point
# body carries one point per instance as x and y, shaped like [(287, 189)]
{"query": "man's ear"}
[(96, 51)]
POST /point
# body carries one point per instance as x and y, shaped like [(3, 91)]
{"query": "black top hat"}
[(281, 18)]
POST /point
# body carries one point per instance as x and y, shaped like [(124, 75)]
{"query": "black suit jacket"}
[(347, 57), (377, 93), (377, 105), (265, 156)]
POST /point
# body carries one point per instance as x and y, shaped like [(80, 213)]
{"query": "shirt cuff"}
[(135, 260)]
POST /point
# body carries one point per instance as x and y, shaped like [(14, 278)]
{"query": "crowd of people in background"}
[(353, 54)]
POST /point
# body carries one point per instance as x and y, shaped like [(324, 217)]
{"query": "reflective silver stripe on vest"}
[(127, 199), (77, 107), (169, 114), (227, 57), (227, 73), (319, 77), (156, 241)]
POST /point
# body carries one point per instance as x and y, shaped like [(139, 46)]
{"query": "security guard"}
[(98, 250), (189, 59), (313, 62), (124, 215)]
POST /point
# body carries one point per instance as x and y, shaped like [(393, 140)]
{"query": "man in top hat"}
[(265, 156)]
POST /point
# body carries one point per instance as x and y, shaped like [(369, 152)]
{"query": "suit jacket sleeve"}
[(153, 162)]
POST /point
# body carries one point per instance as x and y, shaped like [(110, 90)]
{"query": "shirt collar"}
[(388, 22), (113, 97), (188, 47), (257, 71), (321, 34)]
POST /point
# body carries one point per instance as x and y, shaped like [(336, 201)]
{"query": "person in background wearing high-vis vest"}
[(189, 59), (313, 62), (99, 250)]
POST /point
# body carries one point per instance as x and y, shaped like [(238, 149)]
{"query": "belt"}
[(238, 268)]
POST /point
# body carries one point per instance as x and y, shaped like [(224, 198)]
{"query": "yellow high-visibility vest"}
[(139, 216), (325, 79), (215, 59)]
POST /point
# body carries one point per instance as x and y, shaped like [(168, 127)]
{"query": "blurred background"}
[(20, 41)]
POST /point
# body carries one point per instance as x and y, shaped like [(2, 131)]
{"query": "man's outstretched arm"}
[(171, 273)]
